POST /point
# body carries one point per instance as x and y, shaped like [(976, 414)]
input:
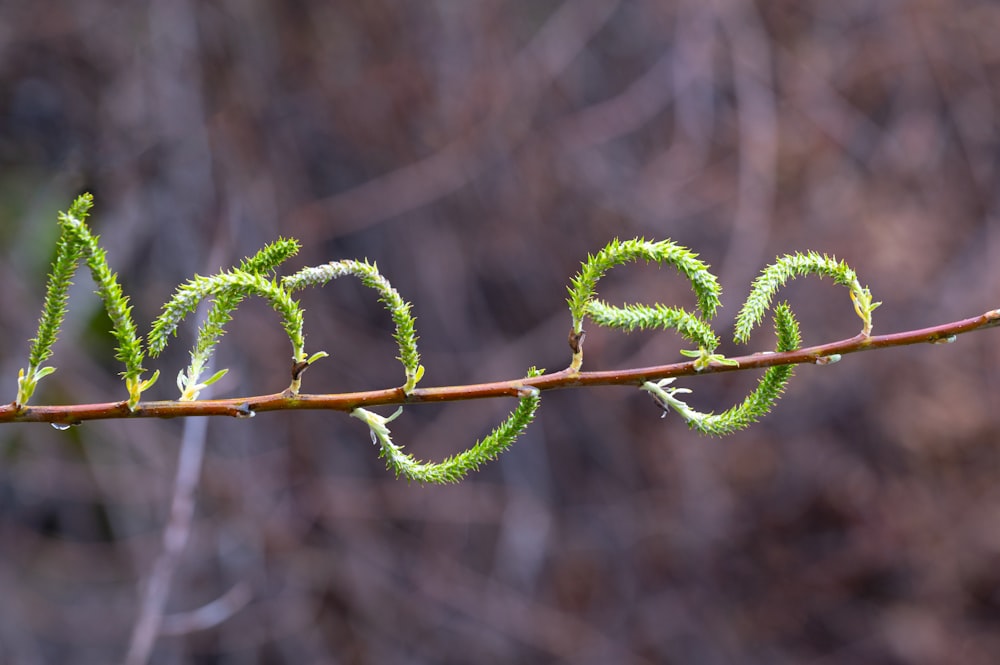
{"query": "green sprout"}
[(255, 276)]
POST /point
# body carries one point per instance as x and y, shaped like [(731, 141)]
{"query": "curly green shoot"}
[(456, 467), (583, 302), (255, 277), (405, 333), (213, 328), (68, 251)]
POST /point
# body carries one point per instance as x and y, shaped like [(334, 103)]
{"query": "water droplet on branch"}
[(244, 411)]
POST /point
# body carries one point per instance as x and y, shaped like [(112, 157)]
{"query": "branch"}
[(254, 277), (246, 407)]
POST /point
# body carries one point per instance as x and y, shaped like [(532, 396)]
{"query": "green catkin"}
[(405, 333), (456, 467), (583, 286), (213, 328), (255, 277)]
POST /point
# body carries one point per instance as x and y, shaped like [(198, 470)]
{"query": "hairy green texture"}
[(57, 291), (583, 287), (405, 334), (228, 284), (644, 317), (254, 277), (271, 256), (778, 274), (115, 302), (78, 242), (456, 467), (756, 405), (224, 303), (769, 388), (68, 252)]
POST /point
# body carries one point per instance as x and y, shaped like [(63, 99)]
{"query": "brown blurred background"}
[(477, 151)]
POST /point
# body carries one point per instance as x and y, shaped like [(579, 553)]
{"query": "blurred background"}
[(478, 151)]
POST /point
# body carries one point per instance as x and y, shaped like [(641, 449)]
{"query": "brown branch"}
[(244, 407)]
